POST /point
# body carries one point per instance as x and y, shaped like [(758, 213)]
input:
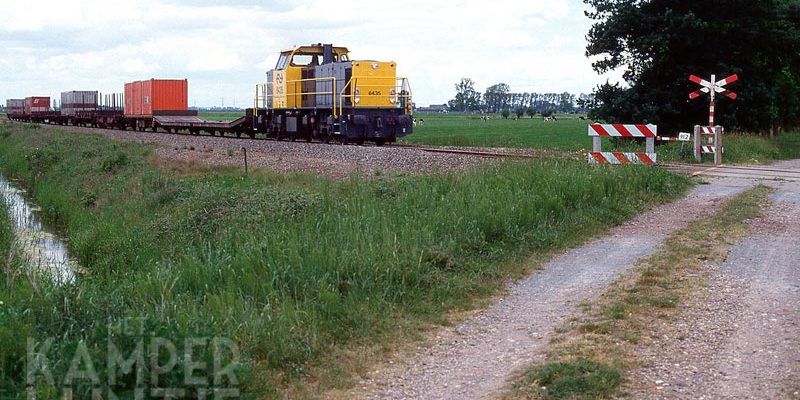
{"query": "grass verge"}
[(588, 360), (290, 269)]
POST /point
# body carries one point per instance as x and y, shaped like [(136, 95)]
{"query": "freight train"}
[(314, 92)]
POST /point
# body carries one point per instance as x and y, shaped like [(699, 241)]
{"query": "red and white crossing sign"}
[(713, 87)]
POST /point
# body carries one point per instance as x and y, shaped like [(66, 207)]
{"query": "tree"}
[(566, 102), (505, 113), (520, 112), (496, 97), (531, 112), (467, 99), (658, 43)]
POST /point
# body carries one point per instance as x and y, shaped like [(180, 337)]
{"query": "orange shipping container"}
[(155, 96)]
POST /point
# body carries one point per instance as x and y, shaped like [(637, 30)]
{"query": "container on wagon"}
[(15, 106), (78, 101), (37, 104), (157, 97)]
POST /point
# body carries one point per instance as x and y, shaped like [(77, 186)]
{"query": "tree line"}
[(500, 98)]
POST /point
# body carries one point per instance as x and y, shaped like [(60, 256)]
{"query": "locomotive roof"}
[(314, 48)]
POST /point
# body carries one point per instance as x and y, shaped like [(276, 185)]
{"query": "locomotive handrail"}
[(401, 86), (398, 93), (268, 94)]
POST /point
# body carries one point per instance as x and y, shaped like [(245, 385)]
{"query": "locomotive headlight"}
[(357, 96), (393, 96)]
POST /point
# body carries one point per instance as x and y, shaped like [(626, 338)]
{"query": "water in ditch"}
[(41, 250)]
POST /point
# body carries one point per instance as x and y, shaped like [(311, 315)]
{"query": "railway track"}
[(483, 153), (465, 151), (736, 171)]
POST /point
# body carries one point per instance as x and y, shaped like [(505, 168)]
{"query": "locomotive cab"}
[(295, 71)]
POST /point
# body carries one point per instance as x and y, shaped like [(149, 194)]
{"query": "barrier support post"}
[(698, 155), (597, 144), (650, 144), (718, 145)]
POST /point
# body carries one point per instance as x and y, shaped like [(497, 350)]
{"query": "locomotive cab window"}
[(302, 60), (282, 61)]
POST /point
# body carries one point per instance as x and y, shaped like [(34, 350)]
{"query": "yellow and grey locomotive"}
[(318, 92)]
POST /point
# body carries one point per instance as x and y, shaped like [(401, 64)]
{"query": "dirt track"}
[(475, 358), (740, 339)]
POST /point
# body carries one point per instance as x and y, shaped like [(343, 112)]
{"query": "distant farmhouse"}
[(433, 108)]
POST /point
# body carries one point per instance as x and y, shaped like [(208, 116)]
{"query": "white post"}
[(718, 145), (698, 141)]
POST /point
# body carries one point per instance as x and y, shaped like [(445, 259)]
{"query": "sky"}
[(224, 48)]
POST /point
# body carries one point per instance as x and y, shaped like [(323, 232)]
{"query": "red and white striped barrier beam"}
[(708, 149), (617, 158), (623, 130), (706, 130), (682, 137)]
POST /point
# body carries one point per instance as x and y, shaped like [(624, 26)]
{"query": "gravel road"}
[(740, 338), (475, 358)]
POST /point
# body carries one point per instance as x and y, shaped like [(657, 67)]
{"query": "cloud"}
[(225, 48)]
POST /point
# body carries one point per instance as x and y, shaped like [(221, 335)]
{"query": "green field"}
[(570, 134), (291, 268), (220, 116)]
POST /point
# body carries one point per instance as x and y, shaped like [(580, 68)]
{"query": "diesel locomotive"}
[(317, 92)]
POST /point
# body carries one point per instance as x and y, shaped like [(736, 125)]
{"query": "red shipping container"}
[(37, 104), (154, 96)]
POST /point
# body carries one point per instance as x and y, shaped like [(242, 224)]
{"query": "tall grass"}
[(292, 267)]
